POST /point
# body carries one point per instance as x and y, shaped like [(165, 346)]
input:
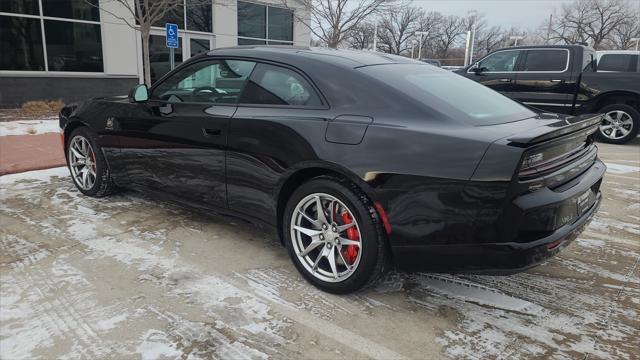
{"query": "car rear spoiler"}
[(587, 123)]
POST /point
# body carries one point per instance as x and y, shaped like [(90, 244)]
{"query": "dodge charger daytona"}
[(358, 161)]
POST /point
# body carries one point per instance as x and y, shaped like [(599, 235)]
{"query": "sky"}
[(507, 13)]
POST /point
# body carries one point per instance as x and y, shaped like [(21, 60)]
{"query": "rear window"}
[(449, 93), (546, 60), (619, 62)]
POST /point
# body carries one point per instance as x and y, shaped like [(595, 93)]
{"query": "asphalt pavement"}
[(130, 277)]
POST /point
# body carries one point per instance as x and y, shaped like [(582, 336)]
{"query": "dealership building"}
[(71, 49)]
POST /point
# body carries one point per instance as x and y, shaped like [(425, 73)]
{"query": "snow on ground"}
[(29, 127), (621, 169), (129, 276)]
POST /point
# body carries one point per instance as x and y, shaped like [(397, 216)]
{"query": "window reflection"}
[(260, 24), (198, 46), (280, 24), (252, 20), (175, 15), (199, 16), (159, 56), (71, 9), (73, 46), (20, 6), (21, 44), (242, 41)]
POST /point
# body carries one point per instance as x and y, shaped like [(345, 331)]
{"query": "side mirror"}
[(140, 93), (478, 69)]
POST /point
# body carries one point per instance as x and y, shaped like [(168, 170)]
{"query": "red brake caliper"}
[(350, 252)]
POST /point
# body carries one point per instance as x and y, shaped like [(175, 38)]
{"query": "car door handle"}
[(504, 80), (211, 132), (557, 81)]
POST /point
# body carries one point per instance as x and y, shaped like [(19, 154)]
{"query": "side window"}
[(502, 61), (546, 60), (214, 81), (274, 85), (618, 62)]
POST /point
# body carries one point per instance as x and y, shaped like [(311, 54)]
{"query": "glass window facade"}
[(199, 16), (71, 29), (280, 24), (29, 7), (72, 9), (21, 44), (261, 24), (73, 46)]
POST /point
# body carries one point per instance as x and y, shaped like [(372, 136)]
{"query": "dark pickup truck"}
[(564, 79)]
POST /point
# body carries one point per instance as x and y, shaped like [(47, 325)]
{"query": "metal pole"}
[(375, 36), (172, 59), (466, 49), (473, 40), (549, 28)]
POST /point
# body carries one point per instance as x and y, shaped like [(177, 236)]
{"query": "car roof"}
[(617, 52), (525, 47), (301, 54)]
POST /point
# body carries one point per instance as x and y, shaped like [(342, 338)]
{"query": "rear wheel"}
[(334, 236), (88, 167), (620, 124)]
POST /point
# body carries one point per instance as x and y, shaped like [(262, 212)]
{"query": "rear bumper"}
[(530, 247), (497, 258)]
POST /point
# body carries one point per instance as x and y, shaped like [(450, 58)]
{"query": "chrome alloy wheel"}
[(82, 161), (326, 237), (616, 124)]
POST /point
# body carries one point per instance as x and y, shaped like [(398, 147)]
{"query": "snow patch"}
[(621, 169), (156, 345), (29, 127)]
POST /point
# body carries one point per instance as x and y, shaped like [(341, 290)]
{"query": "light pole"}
[(413, 45), (516, 38), (375, 37), (474, 15), (420, 45), (637, 40)]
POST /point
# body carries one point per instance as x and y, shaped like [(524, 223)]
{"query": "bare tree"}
[(488, 39), (428, 25), (447, 33), (621, 36), (398, 28), (361, 37), (590, 21), (141, 15), (332, 21)]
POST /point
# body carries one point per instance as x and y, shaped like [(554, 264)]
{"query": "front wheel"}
[(620, 124), (88, 167), (334, 236)]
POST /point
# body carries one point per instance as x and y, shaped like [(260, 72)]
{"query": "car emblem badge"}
[(109, 124)]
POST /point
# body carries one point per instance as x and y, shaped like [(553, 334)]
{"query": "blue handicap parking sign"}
[(171, 31)]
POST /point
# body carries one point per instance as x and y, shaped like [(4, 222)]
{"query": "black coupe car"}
[(358, 160)]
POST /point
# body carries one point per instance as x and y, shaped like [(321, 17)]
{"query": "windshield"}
[(449, 93)]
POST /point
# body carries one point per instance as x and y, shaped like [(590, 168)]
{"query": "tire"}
[(619, 118), (102, 184), (356, 266)]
